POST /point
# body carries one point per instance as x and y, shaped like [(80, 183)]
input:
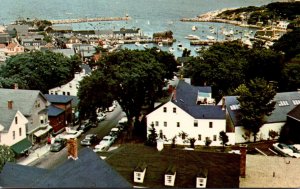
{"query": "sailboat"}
[(194, 28)]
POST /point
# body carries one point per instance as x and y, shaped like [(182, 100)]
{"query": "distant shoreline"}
[(211, 16)]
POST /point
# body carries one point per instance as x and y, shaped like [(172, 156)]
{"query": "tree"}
[(6, 155), (224, 138), (38, 70), (152, 137), (255, 104), (192, 142), (208, 141), (134, 78)]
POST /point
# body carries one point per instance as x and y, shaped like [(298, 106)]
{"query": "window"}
[(195, 123), (178, 124), (56, 93), (70, 85), (160, 134), (42, 121), (296, 102), (64, 93), (16, 120), (199, 137), (210, 124), (138, 175), (68, 93), (200, 179), (174, 110), (215, 138), (14, 135), (165, 109), (235, 107), (156, 123), (283, 103), (169, 179), (165, 123), (20, 131)]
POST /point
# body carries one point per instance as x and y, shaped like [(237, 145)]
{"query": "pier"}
[(204, 42), (79, 20)]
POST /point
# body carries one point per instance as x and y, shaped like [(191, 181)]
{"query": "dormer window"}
[(165, 109), (139, 172), (170, 176), (174, 110)]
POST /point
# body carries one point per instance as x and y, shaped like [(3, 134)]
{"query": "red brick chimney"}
[(243, 151), (174, 94), (72, 148), (10, 104)]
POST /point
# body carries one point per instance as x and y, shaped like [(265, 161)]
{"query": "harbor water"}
[(148, 15)]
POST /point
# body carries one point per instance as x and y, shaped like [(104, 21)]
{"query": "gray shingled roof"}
[(295, 113), (88, 171), (63, 99), (278, 115), (223, 168), (23, 100), (6, 117), (186, 97)]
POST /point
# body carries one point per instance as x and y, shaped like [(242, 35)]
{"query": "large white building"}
[(71, 88), (285, 102), (185, 116)]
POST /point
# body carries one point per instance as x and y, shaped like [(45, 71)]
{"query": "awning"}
[(42, 131), (22, 146)]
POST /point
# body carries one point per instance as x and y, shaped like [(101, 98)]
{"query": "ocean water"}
[(149, 15)]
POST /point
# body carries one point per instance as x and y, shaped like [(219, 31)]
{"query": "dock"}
[(204, 42), (99, 19)]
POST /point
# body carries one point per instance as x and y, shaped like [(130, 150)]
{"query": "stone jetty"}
[(79, 20)]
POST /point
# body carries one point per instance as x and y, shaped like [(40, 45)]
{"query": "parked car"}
[(89, 140), (70, 133), (123, 121), (115, 132), (285, 150), (104, 144), (101, 116), (58, 144), (84, 127)]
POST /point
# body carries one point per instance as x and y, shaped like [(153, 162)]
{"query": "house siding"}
[(186, 125), (7, 138)]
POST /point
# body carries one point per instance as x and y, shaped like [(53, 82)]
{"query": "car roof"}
[(107, 137)]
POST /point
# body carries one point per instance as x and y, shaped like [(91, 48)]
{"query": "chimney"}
[(223, 103), (72, 148), (174, 94), (243, 150), (16, 86), (10, 104)]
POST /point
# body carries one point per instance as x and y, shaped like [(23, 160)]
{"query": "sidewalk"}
[(36, 154)]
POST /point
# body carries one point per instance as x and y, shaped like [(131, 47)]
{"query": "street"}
[(53, 159)]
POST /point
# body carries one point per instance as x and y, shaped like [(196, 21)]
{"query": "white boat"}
[(160, 44), (210, 37), (197, 49), (194, 28), (146, 46), (180, 46), (171, 49), (137, 43), (121, 42), (192, 37)]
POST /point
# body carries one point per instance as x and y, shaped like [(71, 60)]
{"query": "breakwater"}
[(99, 19)]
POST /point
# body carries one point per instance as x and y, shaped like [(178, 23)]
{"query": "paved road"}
[(53, 159)]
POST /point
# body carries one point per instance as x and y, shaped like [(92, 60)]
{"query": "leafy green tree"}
[(255, 104), (132, 77), (6, 155), (152, 137), (290, 80), (221, 66), (224, 138), (38, 70), (288, 44)]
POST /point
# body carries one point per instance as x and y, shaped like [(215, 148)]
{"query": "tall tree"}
[(132, 77), (39, 70), (6, 155), (255, 104)]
